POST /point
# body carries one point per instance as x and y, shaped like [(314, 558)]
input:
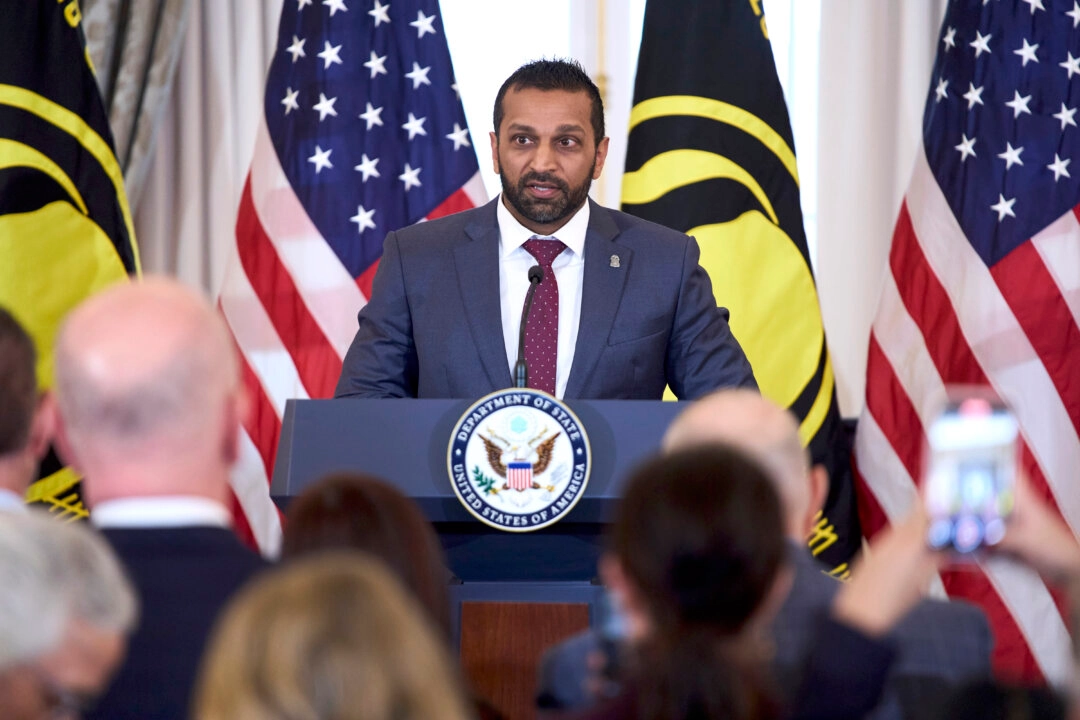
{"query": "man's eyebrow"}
[(565, 128)]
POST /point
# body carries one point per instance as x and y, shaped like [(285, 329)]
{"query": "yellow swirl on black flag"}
[(65, 227), (711, 153)]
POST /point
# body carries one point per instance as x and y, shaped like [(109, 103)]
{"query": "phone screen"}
[(971, 473)]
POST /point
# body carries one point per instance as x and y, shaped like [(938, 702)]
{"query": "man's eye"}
[(568, 142), (520, 140)]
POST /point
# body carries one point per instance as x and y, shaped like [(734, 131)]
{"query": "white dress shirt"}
[(11, 501), (164, 511), (569, 269)]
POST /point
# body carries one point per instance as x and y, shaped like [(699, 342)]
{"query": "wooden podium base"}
[(501, 646)]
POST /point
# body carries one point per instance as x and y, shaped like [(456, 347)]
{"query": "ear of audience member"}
[(698, 547), (65, 609), (24, 427), (333, 635), (150, 407), (362, 512)]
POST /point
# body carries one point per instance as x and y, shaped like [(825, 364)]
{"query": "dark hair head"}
[(18, 384), (700, 538), (700, 535), (348, 510), (565, 75)]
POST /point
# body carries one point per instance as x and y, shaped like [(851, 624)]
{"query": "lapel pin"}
[(615, 261)]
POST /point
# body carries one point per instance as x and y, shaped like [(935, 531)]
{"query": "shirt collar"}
[(160, 512), (513, 234), (11, 501)]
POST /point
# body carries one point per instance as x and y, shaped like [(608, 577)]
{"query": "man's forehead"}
[(531, 106)]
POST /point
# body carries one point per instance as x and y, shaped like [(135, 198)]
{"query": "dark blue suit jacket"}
[(938, 645), (183, 576), (433, 327)]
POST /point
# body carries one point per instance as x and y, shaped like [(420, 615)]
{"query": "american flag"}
[(363, 132), (983, 287)]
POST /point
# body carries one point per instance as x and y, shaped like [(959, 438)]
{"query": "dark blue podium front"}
[(405, 442)]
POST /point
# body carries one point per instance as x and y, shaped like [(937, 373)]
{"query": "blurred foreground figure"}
[(330, 636), (65, 609), (24, 429), (150, 406)]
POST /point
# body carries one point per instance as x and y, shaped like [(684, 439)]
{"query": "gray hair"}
[(52, 572)]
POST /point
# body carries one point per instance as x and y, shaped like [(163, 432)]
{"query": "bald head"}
[(144, 370), (769, 433)]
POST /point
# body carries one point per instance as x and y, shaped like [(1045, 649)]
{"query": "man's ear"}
[(495, 152), (55, 421), (819, 490), (237, 409), (601, 157), (42, 427)]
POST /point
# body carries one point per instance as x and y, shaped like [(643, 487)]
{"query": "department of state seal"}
[(519, 459)]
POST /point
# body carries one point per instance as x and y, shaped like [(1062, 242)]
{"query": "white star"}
[(296, 49), (1065, 116), (419, 75), (1072, 65), (325, 107), (1058, 167), (973, 95), (1035, 5), (362, 218), (423, 24), (321, 159), (415, 126), (949, 39), (1075, 14), (1011, 156), (335, 5), (330, 55), (940, 90), (367, 167), (380, 13), (966, 147), (411, 177), (1003, 207), (1027, 52), (1019, 104), (289, 101), (981, 43), (372, 116), (376, 64), (460, 136), (301, 4), (457, 92)]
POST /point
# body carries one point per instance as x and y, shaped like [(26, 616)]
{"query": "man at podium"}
[(585, 301)]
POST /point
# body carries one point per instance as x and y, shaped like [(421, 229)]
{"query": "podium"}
[(514, 594)]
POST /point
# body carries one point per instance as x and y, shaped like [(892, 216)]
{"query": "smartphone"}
[(970, 475)]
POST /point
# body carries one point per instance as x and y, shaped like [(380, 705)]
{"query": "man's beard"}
[(546, 212)]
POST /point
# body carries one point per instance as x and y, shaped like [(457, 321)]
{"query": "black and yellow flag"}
[(65, 227), (711, 153)]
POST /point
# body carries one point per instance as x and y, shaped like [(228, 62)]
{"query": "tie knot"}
[(545, 251)]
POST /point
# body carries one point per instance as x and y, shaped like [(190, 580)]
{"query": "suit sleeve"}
[(381, 362), (703, 355)]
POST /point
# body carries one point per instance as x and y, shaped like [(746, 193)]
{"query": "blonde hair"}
[(331, 637)]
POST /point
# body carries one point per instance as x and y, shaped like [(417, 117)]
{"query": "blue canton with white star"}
[(1000, 128), (363, 112)]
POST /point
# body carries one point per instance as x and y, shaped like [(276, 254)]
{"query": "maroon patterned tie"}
[(542, 327)]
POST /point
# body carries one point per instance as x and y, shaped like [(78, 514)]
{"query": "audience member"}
[(358, 511), (65, 609), (329, 636), (150, 406), (939, 643), (24, 431)]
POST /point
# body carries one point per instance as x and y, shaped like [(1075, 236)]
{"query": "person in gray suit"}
[(939, 643), (635, 311)]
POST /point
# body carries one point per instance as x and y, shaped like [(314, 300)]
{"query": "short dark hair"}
[(18, 384), (565, 75)]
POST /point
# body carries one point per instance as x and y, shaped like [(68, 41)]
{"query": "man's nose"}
[(544, 158)]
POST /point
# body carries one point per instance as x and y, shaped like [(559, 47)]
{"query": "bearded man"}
[(621, 308)]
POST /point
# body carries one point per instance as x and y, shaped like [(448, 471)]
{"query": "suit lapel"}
[(477, 262), (601, 291)]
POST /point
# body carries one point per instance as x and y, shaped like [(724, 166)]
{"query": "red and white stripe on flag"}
[(519, 475), (362, 133), (944, 317)]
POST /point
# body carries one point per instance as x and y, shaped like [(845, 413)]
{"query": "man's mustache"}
[(545, 178)]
